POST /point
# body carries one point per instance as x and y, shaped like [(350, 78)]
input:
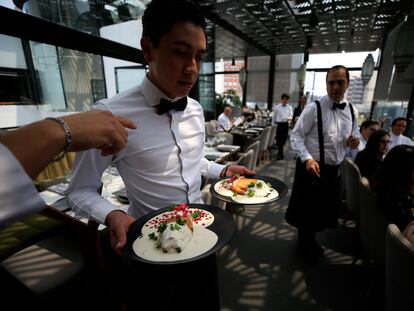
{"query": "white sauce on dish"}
[(202, 241)]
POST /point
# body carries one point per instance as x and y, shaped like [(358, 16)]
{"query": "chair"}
[(246, 159), (264, 142), (373, 224), (351, 178), (272, 136), (399, 271), (255, 147), (54, 173), (252, 147), (210, 131), (214, 125), (51, 251)]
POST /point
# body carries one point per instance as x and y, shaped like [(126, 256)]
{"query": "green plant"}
[(228, 97)]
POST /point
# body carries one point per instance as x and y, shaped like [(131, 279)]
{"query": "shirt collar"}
[(152, 93)]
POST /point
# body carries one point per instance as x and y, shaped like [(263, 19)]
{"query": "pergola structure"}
[(266, 27)]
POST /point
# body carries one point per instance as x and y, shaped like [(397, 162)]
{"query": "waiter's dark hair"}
[(338, 67), (398, 119), (161, 15)]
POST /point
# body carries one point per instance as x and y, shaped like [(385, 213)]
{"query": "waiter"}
[(282, 115)]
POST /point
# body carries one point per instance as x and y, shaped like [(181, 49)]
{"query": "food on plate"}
[(177, 234), (246, 190)]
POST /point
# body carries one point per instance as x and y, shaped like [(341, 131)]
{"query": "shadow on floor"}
[(261, 270)]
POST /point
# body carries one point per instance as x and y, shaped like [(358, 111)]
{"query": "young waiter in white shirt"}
[(164, 159)]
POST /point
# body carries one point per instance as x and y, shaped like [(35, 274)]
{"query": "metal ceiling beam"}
[(232, 29)]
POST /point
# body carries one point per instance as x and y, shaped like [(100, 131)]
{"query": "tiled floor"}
[(260, 269)]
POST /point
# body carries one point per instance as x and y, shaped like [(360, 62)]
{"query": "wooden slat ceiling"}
[(260, 27)]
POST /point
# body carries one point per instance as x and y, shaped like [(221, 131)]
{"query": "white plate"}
[(226, 148)]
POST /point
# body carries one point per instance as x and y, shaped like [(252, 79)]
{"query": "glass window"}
[(129, 77), (85, 15), (11, 52), (47, 71)]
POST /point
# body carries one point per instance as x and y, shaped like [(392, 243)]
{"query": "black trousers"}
[(282, 133), (315, 202)]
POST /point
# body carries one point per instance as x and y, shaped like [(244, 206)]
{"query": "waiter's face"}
[(175, 63), (336, 84), (399, 127)]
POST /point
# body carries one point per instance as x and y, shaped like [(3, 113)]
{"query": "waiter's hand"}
[(241, 170), (118, 223), (313, 167), (352, 141)]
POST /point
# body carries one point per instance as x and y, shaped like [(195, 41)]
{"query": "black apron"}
[(315, 201)]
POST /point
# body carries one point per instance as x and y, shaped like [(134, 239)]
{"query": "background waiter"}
[(281, 116)]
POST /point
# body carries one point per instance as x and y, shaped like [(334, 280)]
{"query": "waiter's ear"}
[(147, 49)]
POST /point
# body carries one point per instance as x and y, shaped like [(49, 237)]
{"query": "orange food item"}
[(237, 189), (243, 183)]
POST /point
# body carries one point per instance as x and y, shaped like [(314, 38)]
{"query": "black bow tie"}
[(166, 105), (339, 106)]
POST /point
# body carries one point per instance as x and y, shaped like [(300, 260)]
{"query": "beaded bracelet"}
[(68, 135)]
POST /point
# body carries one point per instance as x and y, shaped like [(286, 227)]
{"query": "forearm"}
[(35, 145)]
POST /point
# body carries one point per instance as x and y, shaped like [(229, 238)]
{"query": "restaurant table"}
[(54, 196), (243, 138), (213, 154)]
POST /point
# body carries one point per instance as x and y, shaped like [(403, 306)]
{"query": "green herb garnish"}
[(251, 185), (152, 236), (177, 227), (195, 215), (234, 194), (172, 228), (181, 221), (162, 227), (259, 185), (250, 193)]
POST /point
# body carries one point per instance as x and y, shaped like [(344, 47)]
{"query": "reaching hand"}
[(98, 129)]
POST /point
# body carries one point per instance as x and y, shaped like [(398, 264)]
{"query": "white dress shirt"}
[(161, 164), (282, 113), (399, 140), (18, 196), (337, 127), (224, 123)]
